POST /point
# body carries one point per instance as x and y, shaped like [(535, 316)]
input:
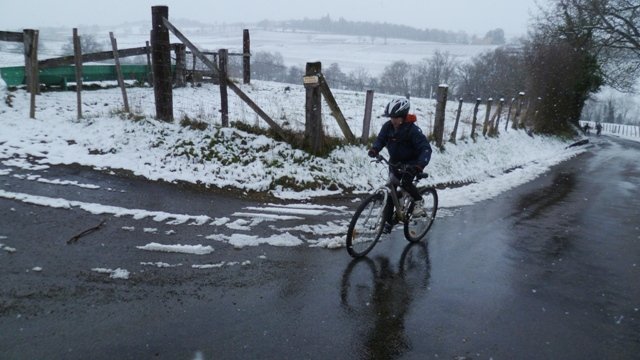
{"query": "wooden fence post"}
[(181, 65), (224, 99), (149, 69), (246, 57), (30, 41), (335, 109), (487, 114), (29, 48), (313, 131), (525, 114), (116, 58), (366, 122), (441, 105), (454, 133), (516, 118), (475, 118), (161, 55), (506, 124), (494, 127), (77, 51)]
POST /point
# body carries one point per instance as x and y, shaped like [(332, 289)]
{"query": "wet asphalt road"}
[(549, 270)]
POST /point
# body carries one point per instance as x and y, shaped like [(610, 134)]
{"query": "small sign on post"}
[(311, 81)]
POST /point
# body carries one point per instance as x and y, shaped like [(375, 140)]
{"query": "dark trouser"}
[(408, 185)]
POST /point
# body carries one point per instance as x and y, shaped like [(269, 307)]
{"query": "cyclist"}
[(406, 145)]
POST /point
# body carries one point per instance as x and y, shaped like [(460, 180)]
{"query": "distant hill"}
[(384, 30)]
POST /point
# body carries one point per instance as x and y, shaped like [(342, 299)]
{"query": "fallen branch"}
[(86, 232)]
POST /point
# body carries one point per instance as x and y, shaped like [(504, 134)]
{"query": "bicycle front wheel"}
[(366, 225), (416, 226)]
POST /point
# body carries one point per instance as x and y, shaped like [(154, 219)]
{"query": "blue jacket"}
[(406, 145)]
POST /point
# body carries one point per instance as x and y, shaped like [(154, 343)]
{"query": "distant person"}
[(406, 145), (586, 128), (598, 128)]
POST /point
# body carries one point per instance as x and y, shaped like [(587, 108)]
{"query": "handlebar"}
[(400, 167)]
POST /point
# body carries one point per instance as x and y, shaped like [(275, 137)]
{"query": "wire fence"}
[(612, 129)]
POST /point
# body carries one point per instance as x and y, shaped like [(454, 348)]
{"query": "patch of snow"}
[(184, 249)]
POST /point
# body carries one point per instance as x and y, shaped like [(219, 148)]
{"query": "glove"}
[(372, 152), (414, 170)]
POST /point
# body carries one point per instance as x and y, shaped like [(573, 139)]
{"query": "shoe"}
[(418, 209), (387, 228)]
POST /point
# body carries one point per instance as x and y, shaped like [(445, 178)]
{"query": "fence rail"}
[(11, 36), (99, 56), (613, 129)]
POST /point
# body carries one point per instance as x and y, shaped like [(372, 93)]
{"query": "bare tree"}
[(360, 79), (294, 75), (268, 66), (335, 76), (441, 69), (419, 79), (613, 27), (88, 44), (497, 73), (395, 78)]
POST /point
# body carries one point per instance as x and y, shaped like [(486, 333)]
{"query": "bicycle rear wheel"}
[(416, 227), (366, 225)]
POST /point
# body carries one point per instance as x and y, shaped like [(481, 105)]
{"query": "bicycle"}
[(368, 221)]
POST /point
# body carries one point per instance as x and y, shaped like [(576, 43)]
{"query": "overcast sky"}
[(471, 16)]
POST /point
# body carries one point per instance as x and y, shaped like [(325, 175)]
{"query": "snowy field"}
[(297, 48)]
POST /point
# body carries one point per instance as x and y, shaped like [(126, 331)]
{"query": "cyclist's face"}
[(397, 121)]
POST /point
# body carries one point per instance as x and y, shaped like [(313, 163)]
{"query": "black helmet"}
[(397, 108)]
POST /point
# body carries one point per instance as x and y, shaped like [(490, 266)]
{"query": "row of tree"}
[(614, 110), (375, 30)]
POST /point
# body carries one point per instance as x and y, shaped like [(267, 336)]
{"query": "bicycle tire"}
[(366, 225), (415, 228), (357, 288), (415, 265)]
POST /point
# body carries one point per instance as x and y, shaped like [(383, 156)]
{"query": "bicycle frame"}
[(390, 189)]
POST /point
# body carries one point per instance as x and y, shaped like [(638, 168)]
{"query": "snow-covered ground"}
[(221, 157), (226, 157)]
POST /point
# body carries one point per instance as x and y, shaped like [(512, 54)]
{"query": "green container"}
[(59, 76), (13, 75)]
